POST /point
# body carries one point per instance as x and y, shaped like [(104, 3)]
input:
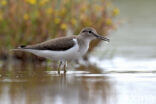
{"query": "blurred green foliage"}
[(32, 21)]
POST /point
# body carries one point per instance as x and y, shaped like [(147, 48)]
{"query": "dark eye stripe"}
[(84, 31), (87, 31)]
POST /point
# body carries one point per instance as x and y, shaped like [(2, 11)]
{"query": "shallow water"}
[(79, 87), (126, 74)]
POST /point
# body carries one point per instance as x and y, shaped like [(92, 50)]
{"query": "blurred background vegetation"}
[(33, 21)]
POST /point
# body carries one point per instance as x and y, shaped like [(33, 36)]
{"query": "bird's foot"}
[(58, 71), (64, 68), (65, 71)]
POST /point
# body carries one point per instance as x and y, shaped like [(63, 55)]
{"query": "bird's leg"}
[(58, 69), (65, 65)]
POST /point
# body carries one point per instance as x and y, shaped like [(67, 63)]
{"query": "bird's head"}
[(90, 33)]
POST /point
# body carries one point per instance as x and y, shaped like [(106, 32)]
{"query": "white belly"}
[(70, 54)]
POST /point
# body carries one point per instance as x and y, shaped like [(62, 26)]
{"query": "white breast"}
[(70, 54), (84, 48)]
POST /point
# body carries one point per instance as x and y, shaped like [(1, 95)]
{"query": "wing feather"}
[(58, 44)]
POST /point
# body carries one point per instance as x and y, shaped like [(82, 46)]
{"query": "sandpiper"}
[(64, 49)]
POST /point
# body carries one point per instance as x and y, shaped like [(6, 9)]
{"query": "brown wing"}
[(58, 44)]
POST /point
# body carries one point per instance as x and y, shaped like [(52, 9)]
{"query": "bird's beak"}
[(101, 37)]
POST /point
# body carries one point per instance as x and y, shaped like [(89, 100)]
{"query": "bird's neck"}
[(83, 44)]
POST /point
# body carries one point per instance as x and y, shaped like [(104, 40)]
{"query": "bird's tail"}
[(16, 49), (20, 48)]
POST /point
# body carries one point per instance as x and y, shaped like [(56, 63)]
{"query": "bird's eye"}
[(90, 31)]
